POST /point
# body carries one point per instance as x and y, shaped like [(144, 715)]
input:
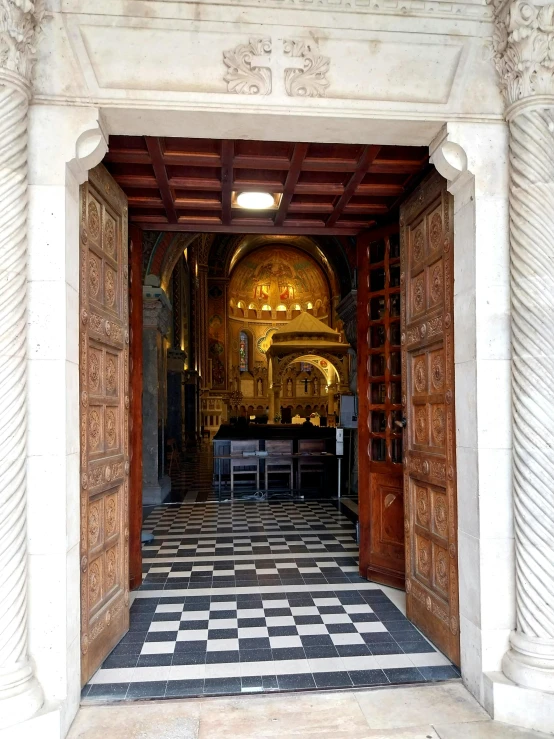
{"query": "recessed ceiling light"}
[(255, 200)]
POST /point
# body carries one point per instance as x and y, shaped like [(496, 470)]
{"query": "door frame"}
[(478, 181)]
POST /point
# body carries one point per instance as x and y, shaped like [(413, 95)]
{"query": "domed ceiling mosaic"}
[(278, 278)]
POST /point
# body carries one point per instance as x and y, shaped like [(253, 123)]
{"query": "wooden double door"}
[(104, 418), (407, 461)]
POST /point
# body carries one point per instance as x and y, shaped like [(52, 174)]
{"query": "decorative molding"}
[(310, 81), (257, 68), (244, 76), (523, 49), (90, 148), (530, 662), (20, 24), (404, 8)]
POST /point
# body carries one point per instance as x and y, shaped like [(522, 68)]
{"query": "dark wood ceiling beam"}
[(156, 223), (319, 188), (329, 165), (395, 166), (195, 183), (367, 158), (149, 225), (227, 177), (133, 180), (304, 223), (144, 202), (127, 156), (154, 145), (310, 208), (192, 204), (298, 154), (261, 184), (357, 225), (189, 159), (379, 188), (366, 208), (261, 162)]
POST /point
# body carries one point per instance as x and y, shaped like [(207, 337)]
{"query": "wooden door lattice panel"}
[(428, 395), (104, 394), (380, 429)]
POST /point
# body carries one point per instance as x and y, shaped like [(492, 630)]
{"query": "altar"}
[(278, 457)]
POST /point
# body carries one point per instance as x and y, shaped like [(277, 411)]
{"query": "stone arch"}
[(301, 356)]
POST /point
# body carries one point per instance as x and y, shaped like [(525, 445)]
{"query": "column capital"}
[(156, 309), (20, 24), (523, 48)]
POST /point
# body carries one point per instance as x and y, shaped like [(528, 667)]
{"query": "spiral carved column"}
[(530, 661), (20, 695)]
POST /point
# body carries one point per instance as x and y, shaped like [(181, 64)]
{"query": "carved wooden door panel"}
[(427, 247), (380, 474), (104, 377)]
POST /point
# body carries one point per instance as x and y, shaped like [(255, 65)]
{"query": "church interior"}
[(247, 261)]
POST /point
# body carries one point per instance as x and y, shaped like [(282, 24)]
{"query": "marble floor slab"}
[(446, 711)]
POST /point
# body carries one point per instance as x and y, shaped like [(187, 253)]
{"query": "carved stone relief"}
[(259, 67)]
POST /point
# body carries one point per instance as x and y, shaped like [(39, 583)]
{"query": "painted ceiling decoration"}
[(279, 278)]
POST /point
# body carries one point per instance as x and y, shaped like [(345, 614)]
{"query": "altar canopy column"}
[(20, 694), (277, 399), (156, 316), (525, 33), (331, 399)]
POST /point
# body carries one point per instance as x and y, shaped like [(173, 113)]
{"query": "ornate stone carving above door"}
[(260, 68)]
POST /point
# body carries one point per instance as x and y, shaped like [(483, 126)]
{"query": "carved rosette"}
[(20, 695)]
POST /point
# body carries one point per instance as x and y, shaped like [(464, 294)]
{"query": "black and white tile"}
[(225, 609)]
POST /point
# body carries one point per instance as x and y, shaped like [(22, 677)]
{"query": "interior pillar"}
[(20, 693), (156, 317)]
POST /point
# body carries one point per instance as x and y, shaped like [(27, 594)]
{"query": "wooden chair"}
[(244, 466), (282, 466), (311, 465), (173, 454)]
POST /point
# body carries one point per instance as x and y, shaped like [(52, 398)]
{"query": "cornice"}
[(20, 24), (523, 46), (419, 8)]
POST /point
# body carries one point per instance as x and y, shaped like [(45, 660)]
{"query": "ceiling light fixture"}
[(255, 200)]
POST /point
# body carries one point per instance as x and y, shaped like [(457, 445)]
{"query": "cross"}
[(278, 64)]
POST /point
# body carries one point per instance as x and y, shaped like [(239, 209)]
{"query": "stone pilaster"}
[(524, 56), (20, 694), (156, 318), (201, 255)]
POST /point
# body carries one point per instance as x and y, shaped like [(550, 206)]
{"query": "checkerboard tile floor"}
[(225, 613)]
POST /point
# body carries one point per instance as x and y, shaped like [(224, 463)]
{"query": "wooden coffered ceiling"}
[(177, 184)]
